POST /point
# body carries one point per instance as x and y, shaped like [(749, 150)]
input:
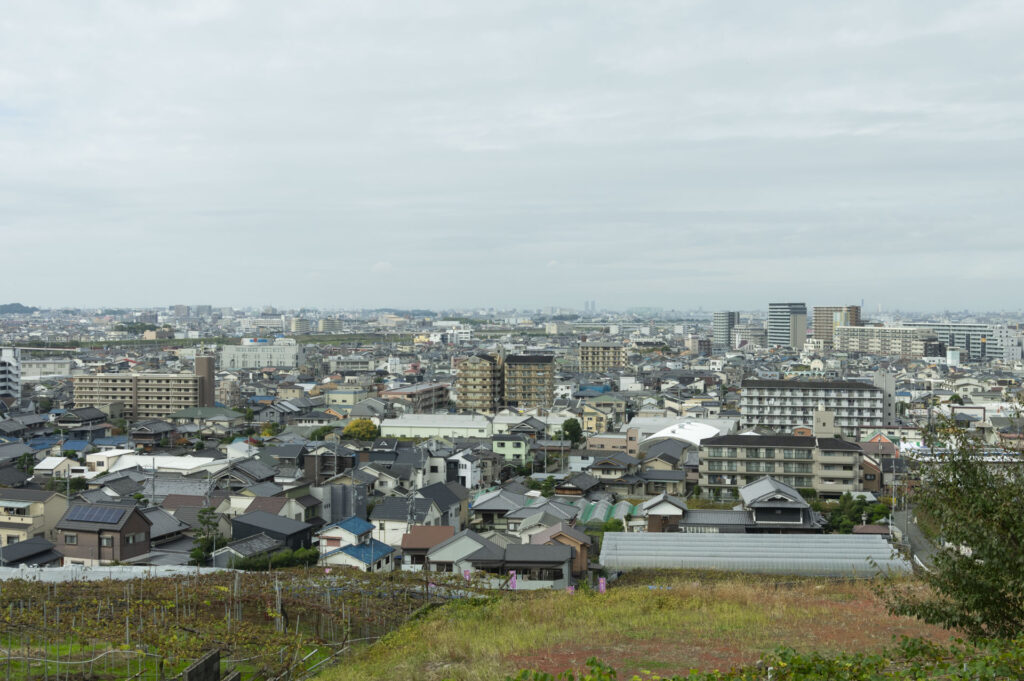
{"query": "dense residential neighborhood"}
[(550, 445)]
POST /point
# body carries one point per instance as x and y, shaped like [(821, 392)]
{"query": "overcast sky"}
[(434, 154)]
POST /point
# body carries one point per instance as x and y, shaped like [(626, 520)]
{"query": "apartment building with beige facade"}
[(487, 383), (890, 341), (145, 395), (601, 356), (529, 381), (479, 383), (827, 318), (422, 398), (822, 462)]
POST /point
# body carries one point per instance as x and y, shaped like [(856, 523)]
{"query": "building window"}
[(70, 539), (106, 540)]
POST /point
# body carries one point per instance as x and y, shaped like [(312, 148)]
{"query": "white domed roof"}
[(687, 431)]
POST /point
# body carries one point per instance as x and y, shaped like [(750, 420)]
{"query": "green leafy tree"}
[(613, 525), (207, 537), (362, 429), (26, 463), (572, 431), (321, 433), (61, 485), (977, 576), (547, 488)]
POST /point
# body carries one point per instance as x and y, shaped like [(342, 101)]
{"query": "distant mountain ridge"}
[(16, 308)]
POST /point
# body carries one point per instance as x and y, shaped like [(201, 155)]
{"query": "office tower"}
[(827, 319), (787, 325), (722, 325)]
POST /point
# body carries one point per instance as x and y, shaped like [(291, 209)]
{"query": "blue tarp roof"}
[(355, 525), (367, 553)]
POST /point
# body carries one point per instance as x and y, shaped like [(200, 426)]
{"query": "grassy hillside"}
[(666, 622)]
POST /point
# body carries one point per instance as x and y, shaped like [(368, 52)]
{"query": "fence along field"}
[(270, 626)]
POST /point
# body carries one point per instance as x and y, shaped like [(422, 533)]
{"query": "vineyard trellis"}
[(270, 625)]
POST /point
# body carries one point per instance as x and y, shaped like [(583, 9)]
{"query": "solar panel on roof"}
[(95, 514)]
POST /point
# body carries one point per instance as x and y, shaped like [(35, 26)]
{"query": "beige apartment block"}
[(529, 380), (602, 356), (827, 319), (891, 341), (829, 466), (147, 396), (479, 383)]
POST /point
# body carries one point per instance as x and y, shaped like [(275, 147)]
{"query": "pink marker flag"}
[(327, 571), (602, 584), (465, 573), (512, 579), (571, 589)]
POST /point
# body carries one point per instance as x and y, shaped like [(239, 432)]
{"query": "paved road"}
[(919, 546)]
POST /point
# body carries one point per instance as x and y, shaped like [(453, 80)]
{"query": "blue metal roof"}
[(75, 445), (368, 553), (40, 443), (355, 525), (111, 441)]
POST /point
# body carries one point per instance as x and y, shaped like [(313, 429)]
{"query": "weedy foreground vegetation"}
[(663, 623)]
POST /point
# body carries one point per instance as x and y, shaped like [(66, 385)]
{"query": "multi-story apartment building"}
[(487, 382), (36, 369), (829, 466), (423, 398), (529, 380), (479, 383), (892, 341), (749, 335), (785, 405), (255, 353), (331, 325), (148, 396), (787, 325), (299, 325), (827, 319), (976, 341), (10, 372), (601, 356), (722, 324)]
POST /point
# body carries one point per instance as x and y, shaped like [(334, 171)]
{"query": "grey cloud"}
[(727, 153)]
